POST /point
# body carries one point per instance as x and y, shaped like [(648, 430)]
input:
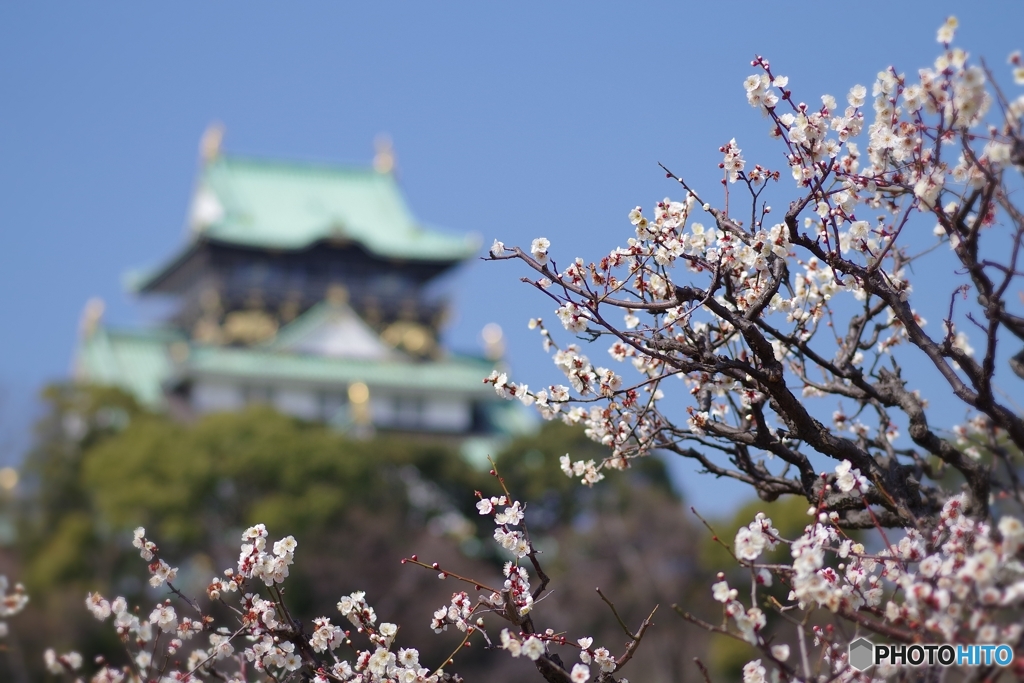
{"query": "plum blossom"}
[(848, 478), (753, 672), (539, 250)]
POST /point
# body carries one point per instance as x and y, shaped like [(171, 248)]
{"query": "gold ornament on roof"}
[(207, 330), (411, 337), (336, 295), (92, 314), (249, 327), (384, 159), (494, 341), (209, 144)]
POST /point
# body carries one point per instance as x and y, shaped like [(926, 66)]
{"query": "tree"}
[(760, 321)]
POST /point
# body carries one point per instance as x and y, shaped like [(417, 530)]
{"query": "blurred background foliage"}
[(102, 465)]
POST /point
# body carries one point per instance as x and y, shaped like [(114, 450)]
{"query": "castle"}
[(307, 287)]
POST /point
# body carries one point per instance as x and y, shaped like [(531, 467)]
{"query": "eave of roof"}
[(450, 375), (136, 360), (141, 362)]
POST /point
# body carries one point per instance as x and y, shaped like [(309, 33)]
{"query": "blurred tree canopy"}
[(103, 465)]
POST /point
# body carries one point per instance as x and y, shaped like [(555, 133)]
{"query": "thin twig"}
[(703, 669), (622, 624)]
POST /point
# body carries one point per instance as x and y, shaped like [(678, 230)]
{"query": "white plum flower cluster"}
[(599, 656), (180, 641), (68, 662), (10, 602), (756, 537), (255, 562), (733, 162), (267, 641), (515, 601), (749, 622), (959, 583), (587, 471), (517, 588), (379, 665), (513, 540), (534, 646), (849, 478), (147, 548), (530, 647), (457, 613)]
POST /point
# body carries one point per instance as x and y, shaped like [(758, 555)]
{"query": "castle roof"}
[(290, 206)]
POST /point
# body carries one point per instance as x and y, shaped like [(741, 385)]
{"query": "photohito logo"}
[(864, 654)]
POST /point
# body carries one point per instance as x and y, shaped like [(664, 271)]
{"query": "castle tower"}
[(307, 287)]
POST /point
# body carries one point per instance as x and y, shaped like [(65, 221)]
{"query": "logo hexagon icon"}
[(862, 654)]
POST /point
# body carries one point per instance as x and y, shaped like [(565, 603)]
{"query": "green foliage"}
[(57, 533), (103, 466), (242, 468), (65, 557)]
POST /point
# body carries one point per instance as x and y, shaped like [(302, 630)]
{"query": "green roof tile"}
[(290, 206)]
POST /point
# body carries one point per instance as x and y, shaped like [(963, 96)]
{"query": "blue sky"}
[(510, 121)]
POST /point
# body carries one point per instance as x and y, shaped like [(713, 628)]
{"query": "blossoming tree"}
[(770, 324), (796, 342)]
